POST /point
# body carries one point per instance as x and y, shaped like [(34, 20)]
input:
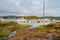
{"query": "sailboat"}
[(43, 21)]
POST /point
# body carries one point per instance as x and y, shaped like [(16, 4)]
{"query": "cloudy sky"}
[(29, 7)]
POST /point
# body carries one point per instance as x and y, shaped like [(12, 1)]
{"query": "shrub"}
[(50, 26)]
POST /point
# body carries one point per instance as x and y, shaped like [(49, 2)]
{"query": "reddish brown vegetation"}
[(34, 34)]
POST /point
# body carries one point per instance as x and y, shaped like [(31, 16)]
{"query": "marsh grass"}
[(7, 28)]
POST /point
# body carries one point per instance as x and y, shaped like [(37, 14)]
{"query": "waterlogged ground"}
[(48, 33), (7, 27), (35, 34)]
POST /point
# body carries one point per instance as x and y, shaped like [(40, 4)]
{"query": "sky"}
[(29, 7)]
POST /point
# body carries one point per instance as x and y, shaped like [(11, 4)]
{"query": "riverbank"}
[(34, 34), (7, 27), (41, 33), (46, 32)]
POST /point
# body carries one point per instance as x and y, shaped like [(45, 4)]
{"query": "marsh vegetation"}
[(7, 27), (46, 32), (50, 31)]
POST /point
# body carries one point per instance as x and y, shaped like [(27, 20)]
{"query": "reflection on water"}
[(34, 24), (10, 35)]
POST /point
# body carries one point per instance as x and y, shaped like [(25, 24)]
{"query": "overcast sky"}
[(29, 7)]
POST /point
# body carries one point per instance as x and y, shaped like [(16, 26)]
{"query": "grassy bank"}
[(39, 33), (7, 27)]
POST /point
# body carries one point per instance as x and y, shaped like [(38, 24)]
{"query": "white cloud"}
[(28, 7)]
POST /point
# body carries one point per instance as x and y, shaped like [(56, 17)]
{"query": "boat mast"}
[(43, 9), (43, 12)]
